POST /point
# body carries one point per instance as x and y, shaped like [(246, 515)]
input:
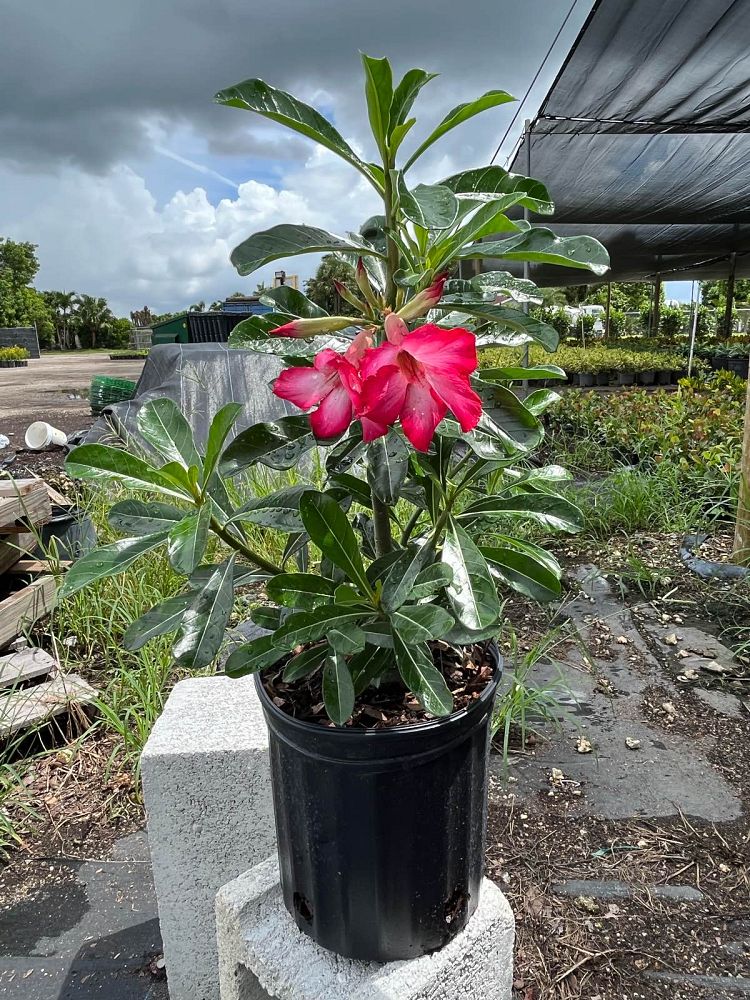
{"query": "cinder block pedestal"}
[(207, 786), (262, 954)]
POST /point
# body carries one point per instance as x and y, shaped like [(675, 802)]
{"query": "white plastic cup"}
[(41, 435)]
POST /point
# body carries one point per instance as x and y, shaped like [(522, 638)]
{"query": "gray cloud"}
[(80, 79)]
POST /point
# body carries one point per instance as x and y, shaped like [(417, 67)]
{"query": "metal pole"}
[(730, 297), (607, 313), (657, 304), (694, 303), (526, 269)]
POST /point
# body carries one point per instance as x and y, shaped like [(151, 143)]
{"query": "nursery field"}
[(646, 466)]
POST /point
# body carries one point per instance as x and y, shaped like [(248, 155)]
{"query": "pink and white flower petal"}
[(420, 414), (383, 395), (447, 350), (461, 399), (334, 414), (303, 386)]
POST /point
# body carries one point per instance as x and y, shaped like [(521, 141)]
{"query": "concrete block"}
[(263, 954), (207, 787)]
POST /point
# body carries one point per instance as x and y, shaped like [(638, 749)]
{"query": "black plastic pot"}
[(381, 833), (573, 378), (72, 530), (647, 378), (625, 378), (586, 380), (602, 378), (663, 377)]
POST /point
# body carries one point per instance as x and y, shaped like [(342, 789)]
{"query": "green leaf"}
[(460, 114), (277, 444), (472, 592), (278, 510), (420, 622), (431, 580), (137, 517), (367, 665), (387, 465), (222, 423), (251, 657), (541, 246), (304, 663), (428, 205), (290, 241), (519, 566), (187, 540), (405, 94), (309, 626), (486, 183), (266, 616), (540, 400), (422, 677), (243, 575), (511, 428), (107, 560), (357, 488), (351, 641), (379, 94), (206, 619), (161, 423), (514, 319), (300, 590), (459, 635), (99, 461), (488, 220), (492, 283), (338, 690), (286, 299), (397, 586), (160, 620), (545, 508), (257, 96), (516, 374), (329, 528)]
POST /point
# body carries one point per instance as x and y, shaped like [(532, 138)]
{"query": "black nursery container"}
[(381, 833)]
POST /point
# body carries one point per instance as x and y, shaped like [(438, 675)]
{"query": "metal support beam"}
[(656, 307), (730, 297), (608, 310)]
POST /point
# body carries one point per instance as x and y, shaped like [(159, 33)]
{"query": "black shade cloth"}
[(644, 139)]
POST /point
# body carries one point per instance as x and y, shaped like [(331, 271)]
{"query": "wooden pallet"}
[(25, 606), (15, 547), (35, 691), (22, 502)]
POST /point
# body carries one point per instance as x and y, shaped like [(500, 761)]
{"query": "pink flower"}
[(425, 300), (311, 327), (417, 377), (333, 382)]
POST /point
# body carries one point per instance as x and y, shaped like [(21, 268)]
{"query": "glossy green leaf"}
[(99, 461), (398, 583), (540, 400), (161, 619), (304, 663), (541, 246), (459, 635), (329, 528), (422, 677), (420, 622), (431, 580), (387, 465), (428, 205), (486, 183), (222, 423), (309, 626), (357, 488), (161, 423), (279, 509), (544, 508), (252, 656), (472, 591), (505, 316), (266, 616), (459, 114), (511, 427), (338, 690), (107, 560), (243, 575), (492, 283), (368, 665), (405, 94), (379, 95), (520, 568), (300, 590), (288, 240), (351, 641), (206, 618), (286, 299), (139, 517), (257, 96), (187, 540), (278, 444)]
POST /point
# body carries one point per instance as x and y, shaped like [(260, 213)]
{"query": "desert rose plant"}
[(392, 569)]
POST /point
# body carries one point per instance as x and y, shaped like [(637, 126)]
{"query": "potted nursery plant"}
[(378, 670)]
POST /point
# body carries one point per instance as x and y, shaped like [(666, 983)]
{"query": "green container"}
[(171, 331), (106, 390)]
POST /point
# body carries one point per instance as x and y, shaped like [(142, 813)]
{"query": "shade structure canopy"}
[(644, 140)]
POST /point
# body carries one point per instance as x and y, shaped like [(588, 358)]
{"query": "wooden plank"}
[(58, 499), (39, 565), (34, 705), (25, 606), (13, 548), (23, 500), (27, 665)]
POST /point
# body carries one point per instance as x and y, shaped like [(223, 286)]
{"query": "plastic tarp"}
[(200, 378), (644, 139)]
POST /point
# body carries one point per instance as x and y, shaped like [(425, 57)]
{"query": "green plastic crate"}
[(106, 390)]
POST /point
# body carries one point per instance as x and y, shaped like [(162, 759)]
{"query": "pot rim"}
[(347, 732)]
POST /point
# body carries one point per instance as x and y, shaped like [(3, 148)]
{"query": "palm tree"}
[(61, 305), (93, 317)]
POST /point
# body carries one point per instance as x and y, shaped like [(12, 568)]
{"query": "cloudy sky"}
[(136, 186)]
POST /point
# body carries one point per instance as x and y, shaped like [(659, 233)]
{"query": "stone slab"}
[(207, 787), (606, 889), (263, 954)]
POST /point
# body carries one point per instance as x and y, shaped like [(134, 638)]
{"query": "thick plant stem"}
[(391, 265), (381, 523), (239, 546)]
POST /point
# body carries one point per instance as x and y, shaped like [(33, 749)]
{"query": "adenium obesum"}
[(414, 377)]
